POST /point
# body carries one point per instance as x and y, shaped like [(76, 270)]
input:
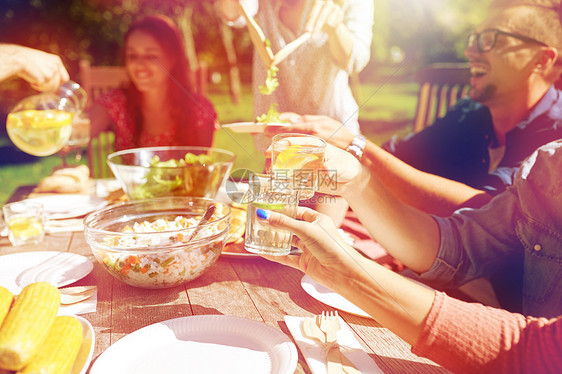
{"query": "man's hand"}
[(44, 71), (327, 128)]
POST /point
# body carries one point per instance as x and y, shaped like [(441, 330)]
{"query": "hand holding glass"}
[(298, 157)]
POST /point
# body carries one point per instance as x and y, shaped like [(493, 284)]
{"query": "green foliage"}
[(427, 30)]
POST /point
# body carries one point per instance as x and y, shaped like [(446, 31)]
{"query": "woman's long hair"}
[(180, 93)]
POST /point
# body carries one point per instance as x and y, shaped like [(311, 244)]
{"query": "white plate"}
[(62, 206), (201, 344), (329, 297), (58, 268), (86, 349), (252, 127)]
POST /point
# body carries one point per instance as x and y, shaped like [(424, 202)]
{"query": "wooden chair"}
[(98, 150), (441, 85), (97, 80)]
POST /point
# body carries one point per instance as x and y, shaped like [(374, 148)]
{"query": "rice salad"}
[(147, 265)]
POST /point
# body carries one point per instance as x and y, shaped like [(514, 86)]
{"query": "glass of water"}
[(275, 194), (25, 221)]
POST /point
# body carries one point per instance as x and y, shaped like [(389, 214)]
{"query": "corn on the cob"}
[(27, 324), (59, 351), (6, 298)]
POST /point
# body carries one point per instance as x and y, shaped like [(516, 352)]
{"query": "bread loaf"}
[(66, 180)]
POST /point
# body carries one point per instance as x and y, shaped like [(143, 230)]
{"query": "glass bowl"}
[(171, 171), (146, 243)]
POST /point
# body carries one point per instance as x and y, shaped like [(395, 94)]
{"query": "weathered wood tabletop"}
[(249, 287)]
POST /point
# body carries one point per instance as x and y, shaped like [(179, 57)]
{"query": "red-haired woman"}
[(159, 106)]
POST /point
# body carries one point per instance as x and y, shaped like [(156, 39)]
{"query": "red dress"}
[(200, 132)]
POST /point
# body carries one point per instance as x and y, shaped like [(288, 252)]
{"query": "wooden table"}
[(249, 287)]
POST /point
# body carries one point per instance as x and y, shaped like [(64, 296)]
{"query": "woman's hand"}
[(325, 15), (228, 10), (395, 302), (325, 254)]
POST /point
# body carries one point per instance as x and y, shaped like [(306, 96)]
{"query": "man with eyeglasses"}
[(474, 152), (512, 107)]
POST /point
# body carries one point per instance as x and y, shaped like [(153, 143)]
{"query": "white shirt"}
[(310, 81)]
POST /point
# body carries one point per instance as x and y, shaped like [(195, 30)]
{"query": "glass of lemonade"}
[(25, 221), (42, 124), (299, 158), (275, 194)]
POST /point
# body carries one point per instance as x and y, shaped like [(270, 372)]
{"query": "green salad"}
[(272, 115), (271, 81), (193, 175)]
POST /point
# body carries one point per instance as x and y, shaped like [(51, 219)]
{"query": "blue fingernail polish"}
[(262, 213)]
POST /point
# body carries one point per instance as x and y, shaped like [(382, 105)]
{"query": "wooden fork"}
[(337, 362), (330, 325)]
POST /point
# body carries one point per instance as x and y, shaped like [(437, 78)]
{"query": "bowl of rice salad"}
[(146, 243)]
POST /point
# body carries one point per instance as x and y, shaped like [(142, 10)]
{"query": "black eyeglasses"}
[(486, 40)]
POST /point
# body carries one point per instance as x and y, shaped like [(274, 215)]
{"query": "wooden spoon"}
[(73, 295), (258, 38), (290, 48)]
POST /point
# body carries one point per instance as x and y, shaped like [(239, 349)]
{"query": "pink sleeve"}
[(465, 337)]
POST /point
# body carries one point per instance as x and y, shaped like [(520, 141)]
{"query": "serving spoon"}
[(258, 38), (206, 216), (73, 295), (262, 46)]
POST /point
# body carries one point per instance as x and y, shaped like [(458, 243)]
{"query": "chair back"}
[(97, 80), (441, 85), (98, 149)]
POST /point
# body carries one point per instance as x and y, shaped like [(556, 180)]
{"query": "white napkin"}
[(64, 225), (87, 306), (315, 354)]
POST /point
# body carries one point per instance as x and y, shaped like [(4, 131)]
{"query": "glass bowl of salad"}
[(149, 243), (150, 172)]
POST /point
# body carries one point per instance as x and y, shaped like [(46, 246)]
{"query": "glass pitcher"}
[(42, 124)]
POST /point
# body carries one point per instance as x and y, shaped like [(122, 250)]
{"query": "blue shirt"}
[(456, 146), (524, 221)]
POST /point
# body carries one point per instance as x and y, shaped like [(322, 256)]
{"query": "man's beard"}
[(483, 95)]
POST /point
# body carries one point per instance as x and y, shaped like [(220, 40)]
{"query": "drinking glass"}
[(25, 221), (79, 138), (298, 157), (274, 194), (42, 124)]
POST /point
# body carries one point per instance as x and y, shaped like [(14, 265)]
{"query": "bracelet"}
[(356, 147)]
